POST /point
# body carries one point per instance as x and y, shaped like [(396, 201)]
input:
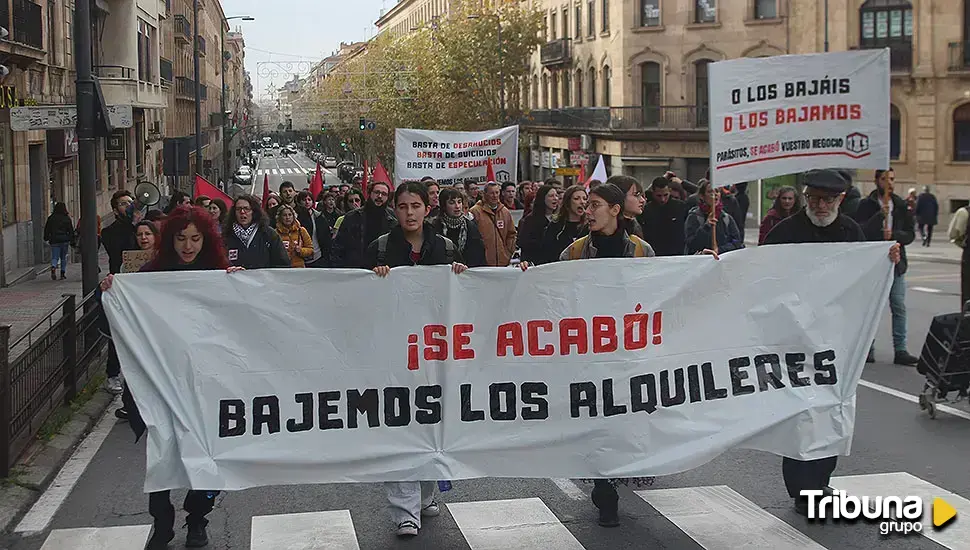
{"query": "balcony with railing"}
[(556, 52), (183, 29), (667, 118), (121, 86), (165, 70), (201, 40), (184, 88), (25, 24), (958, 57), (900, 54)]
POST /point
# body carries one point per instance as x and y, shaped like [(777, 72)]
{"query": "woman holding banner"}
[(699, 224)]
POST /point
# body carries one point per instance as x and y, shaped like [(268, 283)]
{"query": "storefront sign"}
[(115, 145), (54, 117)]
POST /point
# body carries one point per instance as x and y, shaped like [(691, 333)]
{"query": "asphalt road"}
[(737, 500), (293, 168)]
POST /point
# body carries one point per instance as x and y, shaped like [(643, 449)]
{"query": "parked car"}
[(244, 175)]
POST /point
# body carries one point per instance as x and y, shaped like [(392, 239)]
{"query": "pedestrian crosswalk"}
[(710, 516), (283, 171)]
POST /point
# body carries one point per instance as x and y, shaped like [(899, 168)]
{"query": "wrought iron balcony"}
[(555, 53), (183, 29), (959, 57), (621, 119), (24, 20), (184, 88)]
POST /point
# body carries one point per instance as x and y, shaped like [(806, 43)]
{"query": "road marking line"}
[(306, 531), (902, 484), (913, 399), (719, 517), (569, 488), (42, 512), (925, 289), (98, 538), (517, 524)]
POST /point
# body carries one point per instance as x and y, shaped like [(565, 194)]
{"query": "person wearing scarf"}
[(452, 223), (697, 228), (250, 241)]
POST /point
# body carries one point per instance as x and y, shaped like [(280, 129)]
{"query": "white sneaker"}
[(431, 510), (407, 529), (113, 384)]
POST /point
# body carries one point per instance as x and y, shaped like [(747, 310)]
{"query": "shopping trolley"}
[(945, 360)]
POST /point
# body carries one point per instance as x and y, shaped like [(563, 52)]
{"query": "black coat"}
[(319, 229), (58, 229), (473, 255), (350, 243), (927, 209), (116, 239), (557, 237), (529, 237), (797, 228), (663, 226), (398, 252), (869, 215), (265, 251)]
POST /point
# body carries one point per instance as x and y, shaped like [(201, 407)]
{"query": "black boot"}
[(605, 498), (197, 537), (159, 538), (163, 524)]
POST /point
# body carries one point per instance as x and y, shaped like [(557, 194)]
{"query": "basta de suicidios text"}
[(505, 401)]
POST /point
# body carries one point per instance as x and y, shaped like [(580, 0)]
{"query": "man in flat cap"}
[(818, 222)]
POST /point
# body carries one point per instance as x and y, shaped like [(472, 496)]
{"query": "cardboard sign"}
[(133, 260)]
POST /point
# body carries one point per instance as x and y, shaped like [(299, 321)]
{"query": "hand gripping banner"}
[(597, 368)]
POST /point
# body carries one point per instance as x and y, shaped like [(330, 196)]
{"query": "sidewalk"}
[(25, 303), (942, 252)]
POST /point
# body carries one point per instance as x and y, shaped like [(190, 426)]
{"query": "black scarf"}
[(609, 246)]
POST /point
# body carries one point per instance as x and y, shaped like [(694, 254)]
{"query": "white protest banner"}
[(451, 157), (772, 116), (573, 369)]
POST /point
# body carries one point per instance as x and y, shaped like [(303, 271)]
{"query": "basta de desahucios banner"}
[(579, 369), (453, 157), (787, 114)]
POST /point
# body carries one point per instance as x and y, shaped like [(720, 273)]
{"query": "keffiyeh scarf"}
[(458, 223), (245, 234)]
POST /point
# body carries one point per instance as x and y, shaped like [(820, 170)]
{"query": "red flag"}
[(380, 175), (489, 171), (265, 190), (364, 182), (203, 187), (316, 184), (582, 174)]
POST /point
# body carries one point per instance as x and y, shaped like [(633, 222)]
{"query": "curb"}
[(934, 259), (42, 460)]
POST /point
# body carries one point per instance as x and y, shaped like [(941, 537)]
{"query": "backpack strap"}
[(449, 249), (382, 248)]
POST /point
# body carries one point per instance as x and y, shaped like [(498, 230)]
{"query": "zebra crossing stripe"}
[(333, 530), (901, 484), (719, 517), (517, 524), (98, 538)]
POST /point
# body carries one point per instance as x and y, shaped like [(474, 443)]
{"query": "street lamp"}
[(222, 55), (501, 69)]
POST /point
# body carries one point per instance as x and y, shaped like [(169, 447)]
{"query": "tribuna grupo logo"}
[(893, 514)]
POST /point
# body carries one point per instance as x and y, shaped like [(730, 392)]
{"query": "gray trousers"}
[(406, 499)]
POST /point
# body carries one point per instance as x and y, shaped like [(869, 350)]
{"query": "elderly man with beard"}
[(818, 222), (360, 227)]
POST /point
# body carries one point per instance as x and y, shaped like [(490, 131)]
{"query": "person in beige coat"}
[(496, 226)]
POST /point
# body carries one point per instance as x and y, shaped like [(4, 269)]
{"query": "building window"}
[(535, 92), (650, 92), (565, 23), (51, 31), (565, 89), (649, 13), (579, 21), (146, 52), (592, 87), (552, 24), (606, 16), (705, 11), (607, 96), (579, 88), (701, 96), (895, 132), (888, 24), (961, 133), (545, 92), (590, 18), (765, 9), (554, 91)]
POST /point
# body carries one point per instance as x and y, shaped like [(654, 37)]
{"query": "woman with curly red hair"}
[(189, 241)]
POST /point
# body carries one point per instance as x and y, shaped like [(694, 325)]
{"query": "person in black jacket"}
[(532, 227), (317, 226), (818, 222), (360, 227), (59, 233), (452, 223), (568, 224), (120, 235), (250, 241), (663, 220), (891, 220), (412, 242)]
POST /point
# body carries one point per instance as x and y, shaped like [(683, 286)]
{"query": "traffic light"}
[(343, 144), (363, 124)]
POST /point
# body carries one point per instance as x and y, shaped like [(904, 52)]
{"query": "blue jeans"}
[(897, 307), (59, 253)]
